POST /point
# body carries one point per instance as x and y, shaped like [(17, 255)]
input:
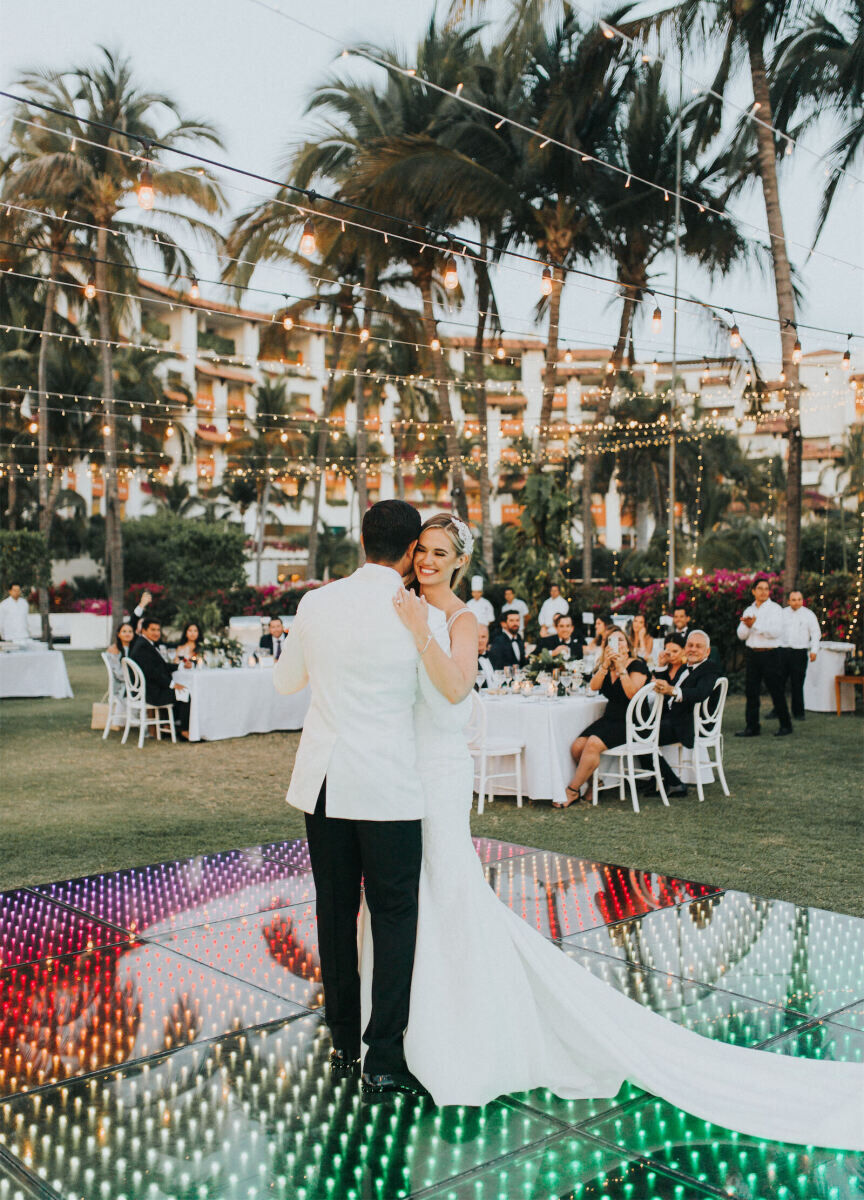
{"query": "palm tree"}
[(747, 30), (74, 161), (817, 70)]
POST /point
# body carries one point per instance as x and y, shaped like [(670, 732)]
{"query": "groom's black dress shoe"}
[(389, 1082), (747, 733), (343, 1063)]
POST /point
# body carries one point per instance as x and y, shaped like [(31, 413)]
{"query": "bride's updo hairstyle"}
[(461, 538)]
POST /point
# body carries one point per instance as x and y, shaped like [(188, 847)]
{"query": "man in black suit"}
[(564, 638), (158, 674), (508, 649), (274, 641), (680, 630), (692, 685)]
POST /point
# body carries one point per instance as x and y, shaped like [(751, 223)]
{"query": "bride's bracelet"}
[(426, 645)]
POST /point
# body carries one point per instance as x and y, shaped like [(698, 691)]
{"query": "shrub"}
[(24, 559)]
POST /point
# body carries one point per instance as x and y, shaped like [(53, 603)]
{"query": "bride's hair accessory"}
[(466, 537)]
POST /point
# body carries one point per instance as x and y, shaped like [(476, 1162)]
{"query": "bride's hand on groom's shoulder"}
[(412, 611)]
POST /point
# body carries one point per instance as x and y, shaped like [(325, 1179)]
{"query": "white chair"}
[(483, 748), (642, 738), (139, 712), (708, 735), (116, 699)]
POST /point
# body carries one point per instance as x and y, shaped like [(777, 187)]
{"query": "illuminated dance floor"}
[(161, 1039)]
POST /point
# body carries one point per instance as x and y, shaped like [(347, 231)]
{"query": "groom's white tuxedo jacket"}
[(361, 662)]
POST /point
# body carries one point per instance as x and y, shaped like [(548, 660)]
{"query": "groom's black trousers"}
[(385, 855)]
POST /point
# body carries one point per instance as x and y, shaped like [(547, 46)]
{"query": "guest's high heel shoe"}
[(574, 795)]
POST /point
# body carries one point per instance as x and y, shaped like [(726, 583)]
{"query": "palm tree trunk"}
[(398, 473), (113, 521), (260, 525), (483, 417), (550, 373), (624, 333), (321, 439), (45, 513), (439, 369), (785, 306), (360, 486)]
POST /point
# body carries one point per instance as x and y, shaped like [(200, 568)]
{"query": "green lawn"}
[(71, 804)]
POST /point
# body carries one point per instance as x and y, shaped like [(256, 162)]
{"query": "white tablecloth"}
[(231, 702), (34, 673), (547, 727), (819, 686)]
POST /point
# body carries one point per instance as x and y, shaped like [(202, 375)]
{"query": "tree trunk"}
[(45, 514), (486, 542), (321, 441), (398, 474), (113, 519), (785, 308), (550, 373), (360, 486), (439, 371), (12, 496), (263, 502)]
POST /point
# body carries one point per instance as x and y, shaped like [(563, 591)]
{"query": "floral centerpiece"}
[(221, 650)]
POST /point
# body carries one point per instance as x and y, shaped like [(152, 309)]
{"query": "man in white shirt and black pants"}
[(800, 642), (761, 630)]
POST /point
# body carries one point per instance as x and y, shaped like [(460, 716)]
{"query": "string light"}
[(287, 323), (90, 289), (657, 320), (568, 355), (655, 366), (308, 240), (796, 351), (194, 290), (435, 344), (735, 337), (451, 275), (146, 195), (33, 427), (364, 334), (846, 362), (546, 282)]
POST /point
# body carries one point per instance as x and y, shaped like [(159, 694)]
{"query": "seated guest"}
[(692, 685), (119, 649), (564, 643), (602, 624), (670, 662), (643, 643), (190, 650), (618, 677), (680, 630), (274, 641), (484, 666), (158, 682), (140, 609), (508, 649), (553, 606), (512, 603)]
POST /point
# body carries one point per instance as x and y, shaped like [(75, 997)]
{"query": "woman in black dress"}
[(618, 677)]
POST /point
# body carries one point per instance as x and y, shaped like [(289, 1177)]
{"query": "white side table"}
[(819, 692)]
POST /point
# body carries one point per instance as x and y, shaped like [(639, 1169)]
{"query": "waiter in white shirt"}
[(800, 643), (761, 630), (512, 603), (13, 616), (549, 610), (479, 605)]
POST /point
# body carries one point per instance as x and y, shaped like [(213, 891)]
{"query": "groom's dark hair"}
[(389, 528)]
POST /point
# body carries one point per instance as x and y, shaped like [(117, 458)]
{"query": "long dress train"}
[(497, 1008)]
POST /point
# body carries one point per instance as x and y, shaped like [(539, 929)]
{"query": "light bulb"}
[(657, 320), (435, 343), (194, 290), (106, 429), (145, 191), (748, 379), (451, 275), (33, 427), (607, 31), (90, 289), (546, 282), (169, 432), (287, 322), (364, 334), (283, 437), (610, 367), (568, 355), (734, 337), (846, 363), (499, 353), (796, 351), (655, 366), (782, 376), (308, 242)]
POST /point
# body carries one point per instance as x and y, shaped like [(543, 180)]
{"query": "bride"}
[(495, 1007)]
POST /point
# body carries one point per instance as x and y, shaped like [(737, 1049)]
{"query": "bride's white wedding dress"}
[(497, 1008)]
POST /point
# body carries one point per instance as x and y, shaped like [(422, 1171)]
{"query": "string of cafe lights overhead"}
[(146, 198)]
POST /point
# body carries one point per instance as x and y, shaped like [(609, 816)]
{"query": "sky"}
[(250, 72)]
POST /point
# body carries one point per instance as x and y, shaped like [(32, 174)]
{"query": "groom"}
[(356, 780)]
